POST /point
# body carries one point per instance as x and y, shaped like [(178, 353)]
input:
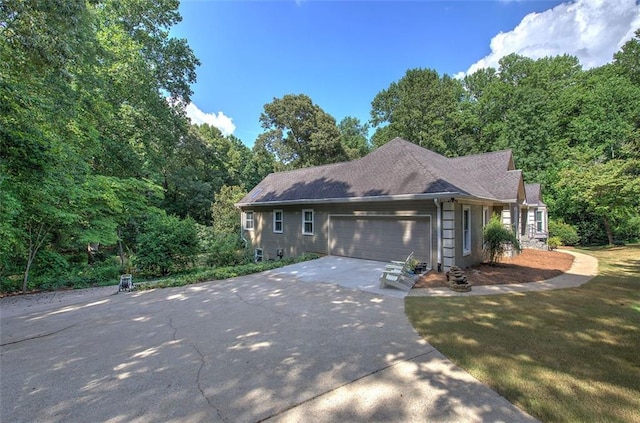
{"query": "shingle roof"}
[(534, 194), (398, 168)]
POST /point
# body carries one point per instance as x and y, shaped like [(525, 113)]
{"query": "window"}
[(307, 222), (248, 220), (539, 221), (486, 217), (277, 221), (466, 230)]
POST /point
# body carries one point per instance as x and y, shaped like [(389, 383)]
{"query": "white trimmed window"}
[(248, 220), (539, 221), (307, 222), (466, 230), (277, 221)]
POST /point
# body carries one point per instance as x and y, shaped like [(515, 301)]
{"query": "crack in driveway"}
[(366, 375), (202, 360)]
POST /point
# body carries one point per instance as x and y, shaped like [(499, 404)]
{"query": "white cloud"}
[(591, 30), (220, 121)]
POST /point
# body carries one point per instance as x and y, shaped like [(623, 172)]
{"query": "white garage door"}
[(380, 238)]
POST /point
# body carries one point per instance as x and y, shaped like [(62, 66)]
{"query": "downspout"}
[(439, 225)]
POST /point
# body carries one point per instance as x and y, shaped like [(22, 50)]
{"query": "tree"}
[(354, 137), (420, 108), (167, 244), (225, 216), (607, 190), (82, 109), (299, 133), (627, 60)]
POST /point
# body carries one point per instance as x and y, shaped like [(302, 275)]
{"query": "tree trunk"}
[(607, 228), (120, 250), (35, 242)]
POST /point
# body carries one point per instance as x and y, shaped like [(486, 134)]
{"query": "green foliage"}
[(564, 232), (299, 133), (576, 132), (421, 108), (554, 242), (498, 239), (225, 272), (627, 60), (227, 250), (225, 216), (167, 244), (354, 137)]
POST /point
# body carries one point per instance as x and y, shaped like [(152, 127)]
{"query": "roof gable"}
[(533, 193), (398, 168)]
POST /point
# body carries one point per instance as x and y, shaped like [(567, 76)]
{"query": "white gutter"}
[(439, 225)]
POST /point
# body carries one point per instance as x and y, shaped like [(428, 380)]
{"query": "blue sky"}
[(342, 53)]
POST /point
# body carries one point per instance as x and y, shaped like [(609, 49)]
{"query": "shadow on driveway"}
[(255, 348)]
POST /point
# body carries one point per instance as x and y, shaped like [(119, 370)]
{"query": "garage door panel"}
[(380, 238)]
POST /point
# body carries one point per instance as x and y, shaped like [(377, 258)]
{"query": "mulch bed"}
[(528, 266)]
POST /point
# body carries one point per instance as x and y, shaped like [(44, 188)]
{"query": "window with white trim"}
[(466, 230), (539, 221), (277, 221), (307, 222), (248, 220)]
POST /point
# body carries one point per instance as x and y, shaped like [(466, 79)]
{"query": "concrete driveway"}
[(265, 347)]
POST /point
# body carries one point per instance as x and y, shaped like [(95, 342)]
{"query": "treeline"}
[(102, 172), (100, 169), (577, 132)]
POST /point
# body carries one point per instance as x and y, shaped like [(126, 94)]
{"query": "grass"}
[(563, 356)]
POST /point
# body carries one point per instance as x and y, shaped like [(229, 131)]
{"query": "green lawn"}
[(563, 356)]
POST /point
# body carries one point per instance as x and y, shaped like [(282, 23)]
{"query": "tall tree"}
[(354, 137), (421, 108), (627, 60), (299, 133)]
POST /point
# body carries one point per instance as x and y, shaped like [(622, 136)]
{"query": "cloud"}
[(591, 30), (220, 121)]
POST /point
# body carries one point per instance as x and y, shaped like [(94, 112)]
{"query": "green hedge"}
[(223, 272)]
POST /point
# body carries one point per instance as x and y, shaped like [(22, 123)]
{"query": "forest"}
[(101, 171)]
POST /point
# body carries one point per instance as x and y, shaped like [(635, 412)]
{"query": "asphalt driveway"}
[(265, 347)]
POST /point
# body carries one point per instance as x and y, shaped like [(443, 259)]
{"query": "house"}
[(534, 231), (400, 198)]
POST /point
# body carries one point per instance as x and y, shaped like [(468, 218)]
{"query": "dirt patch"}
[(528, 266)]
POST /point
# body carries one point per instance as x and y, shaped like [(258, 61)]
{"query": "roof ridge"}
[(406, 146)]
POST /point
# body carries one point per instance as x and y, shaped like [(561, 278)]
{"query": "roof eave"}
[(354, 199)]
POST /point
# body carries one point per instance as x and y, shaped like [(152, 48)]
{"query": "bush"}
[(225, 272), (227, 250), (168, 244), (554, 242), (563, 231), (497, 239)]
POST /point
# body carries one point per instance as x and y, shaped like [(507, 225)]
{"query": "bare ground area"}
[(528, 266)]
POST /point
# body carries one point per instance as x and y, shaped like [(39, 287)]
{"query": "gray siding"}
[(294, 243), (477, 253)]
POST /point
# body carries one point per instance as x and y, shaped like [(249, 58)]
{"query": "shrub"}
[(167, 244), (497, 239), (226, 250), (564, 231), (554, 242)]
